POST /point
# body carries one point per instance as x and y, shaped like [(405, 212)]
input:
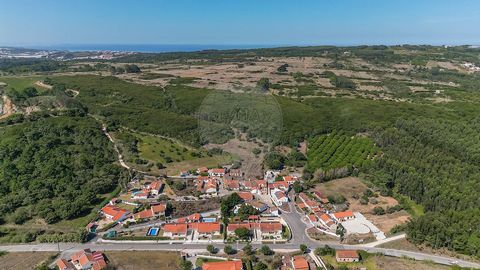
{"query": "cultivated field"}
[(145, 260), (25, 260)]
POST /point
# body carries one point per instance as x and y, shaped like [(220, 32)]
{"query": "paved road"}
[(69, 247), (294, 220), (386, 240)]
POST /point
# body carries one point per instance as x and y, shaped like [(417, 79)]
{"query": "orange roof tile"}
[(194, 217), (175, 227), (246, 196), (159, 208), (300, 263), (63, 264), (233, 226), (226, 265), (218, 170), (206, 227), (271, 227), (147, 213), (351, 254), (340, 215)]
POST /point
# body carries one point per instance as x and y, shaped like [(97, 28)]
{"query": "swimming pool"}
[(153, 231), (209, 219)]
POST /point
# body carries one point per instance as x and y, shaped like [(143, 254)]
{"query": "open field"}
[(243, 149), (147, 151), (25, 260), (145, 260), (20, 83), (403, 244), (378, 262)]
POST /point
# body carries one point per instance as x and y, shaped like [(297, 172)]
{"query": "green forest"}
[(55, 168), (59, 166)]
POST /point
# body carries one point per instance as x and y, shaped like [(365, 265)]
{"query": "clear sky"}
[(267, 22)]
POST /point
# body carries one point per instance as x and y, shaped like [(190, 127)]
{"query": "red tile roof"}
[(147, 213), (114, 211), (194, 217), (159, 208), (300, 263), (232, 184), (202, 169), (280, 195), (340, 215), (271, 227), (175, 227), (279, 184), (206, 227), (218, 170), (350, 254), (156, 185), (226, 265), (233, 226), (246, 196), (63, 264)]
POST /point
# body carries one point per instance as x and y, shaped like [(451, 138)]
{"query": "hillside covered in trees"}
[(54, 168)]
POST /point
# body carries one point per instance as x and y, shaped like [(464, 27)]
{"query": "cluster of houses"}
[(296, 263), (471, 67), (82, 260), (150, 190), (192, 225), (317, 213)]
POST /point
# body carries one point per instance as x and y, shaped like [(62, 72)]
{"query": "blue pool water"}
[(209, 219), (153, 232)]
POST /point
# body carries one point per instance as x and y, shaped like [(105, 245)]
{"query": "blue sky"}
[(267, 22)]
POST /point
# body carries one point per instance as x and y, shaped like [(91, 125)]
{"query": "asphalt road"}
[(65, 247), (299, 237)]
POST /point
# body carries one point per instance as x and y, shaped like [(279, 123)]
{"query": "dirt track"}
[(7, 109)]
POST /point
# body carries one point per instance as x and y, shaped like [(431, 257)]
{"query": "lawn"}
[(201, 261), (145, 260), (20, 83), (164, 150)]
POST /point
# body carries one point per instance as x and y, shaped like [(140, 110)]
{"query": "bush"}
[(378, 210), (265, 250), (212, 249), (229, 250)]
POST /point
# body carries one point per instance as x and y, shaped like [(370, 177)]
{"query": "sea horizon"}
[(148, 48)]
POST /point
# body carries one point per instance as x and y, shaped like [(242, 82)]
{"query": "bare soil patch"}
[(352, 186), (25, 260), (391, 263), (182, 209), (251, 163), (145, 260)]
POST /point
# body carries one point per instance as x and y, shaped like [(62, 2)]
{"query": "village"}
[(218, 206)]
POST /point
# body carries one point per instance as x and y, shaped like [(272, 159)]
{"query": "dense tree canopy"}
[(54, 168)]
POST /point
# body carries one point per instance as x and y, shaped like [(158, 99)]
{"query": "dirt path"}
[(7, 107), (44, 85)]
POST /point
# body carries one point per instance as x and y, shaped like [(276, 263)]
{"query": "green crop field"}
[(336, 151)]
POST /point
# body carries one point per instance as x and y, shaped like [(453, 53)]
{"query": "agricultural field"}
[(25, 260), (337, 151), (372, 262), (148, 260)]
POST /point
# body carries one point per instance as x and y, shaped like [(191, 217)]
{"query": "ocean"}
[(146, 48)]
